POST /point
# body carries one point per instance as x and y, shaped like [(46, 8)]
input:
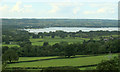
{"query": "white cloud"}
[(58, 6), (76, 10), (16, 7), (19, 7), (3, 8), (28, 6), (104, 7), (106, 10), (77, 7), (58, 9), (104, 4), (101, 11), (54, 9), (89, 12)]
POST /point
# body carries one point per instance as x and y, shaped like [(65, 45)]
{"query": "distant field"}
[(112, 35), (10, 45), (52, 41), (79, 61)]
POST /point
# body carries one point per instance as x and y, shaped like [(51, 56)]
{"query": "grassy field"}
[(78, 61), (34, 58), (88, 68), (10, 45), (112, 35), (52, 41)]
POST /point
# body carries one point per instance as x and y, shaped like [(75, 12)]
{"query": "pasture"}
[(11, 45), (52, 41), (79, 60)]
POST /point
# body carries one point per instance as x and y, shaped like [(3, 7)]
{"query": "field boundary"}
[(44, 59), (48, 67)]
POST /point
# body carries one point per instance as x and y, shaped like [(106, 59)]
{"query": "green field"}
[(78, 61), (34, 58), (10, 45), (52, 41), (88, 68)]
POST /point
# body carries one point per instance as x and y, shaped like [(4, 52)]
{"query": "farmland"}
[(82, 50), (79, 60), (52, 41)]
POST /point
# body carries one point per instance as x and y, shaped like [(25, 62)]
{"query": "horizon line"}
[(54, 18)]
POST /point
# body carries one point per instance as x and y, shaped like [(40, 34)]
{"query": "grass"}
[(88, 68), (34, 58), (40, 41), (52, 41), (111, 35), (10, 45), (64, 62), (37, 58)]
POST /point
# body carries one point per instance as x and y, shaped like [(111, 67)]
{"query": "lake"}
[(71, 29)]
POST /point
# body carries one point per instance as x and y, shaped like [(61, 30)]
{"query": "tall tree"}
[(45, 43), (10, 55), (70, 51), (109, 65)]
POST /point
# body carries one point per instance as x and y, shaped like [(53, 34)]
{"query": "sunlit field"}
[(79, 60)]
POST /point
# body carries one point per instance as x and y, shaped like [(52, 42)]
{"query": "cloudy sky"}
[(81, 9)]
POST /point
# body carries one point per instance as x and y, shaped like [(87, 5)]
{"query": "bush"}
[(109, 65)]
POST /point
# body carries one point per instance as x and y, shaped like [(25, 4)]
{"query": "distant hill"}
[(40, 23)]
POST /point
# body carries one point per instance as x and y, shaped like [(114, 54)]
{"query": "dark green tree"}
[(45, 43), (4, 48), (69, 51), (52, 36), (10, 55), (109, 65)]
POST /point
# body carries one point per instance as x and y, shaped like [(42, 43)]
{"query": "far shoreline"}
[(74, 27)]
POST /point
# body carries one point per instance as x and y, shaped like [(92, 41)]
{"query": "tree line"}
[(65, 49), (18, 36), (41, 23)]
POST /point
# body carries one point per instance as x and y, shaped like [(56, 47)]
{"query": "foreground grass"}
[(80, 61), (88, 68)]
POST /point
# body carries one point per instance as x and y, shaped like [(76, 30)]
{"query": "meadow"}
[(57, 61), (34, 58), (78, 60), (52, 41)]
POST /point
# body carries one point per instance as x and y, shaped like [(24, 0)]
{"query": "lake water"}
[(71, 29)]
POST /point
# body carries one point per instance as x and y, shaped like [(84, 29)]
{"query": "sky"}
[(77, 9)]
